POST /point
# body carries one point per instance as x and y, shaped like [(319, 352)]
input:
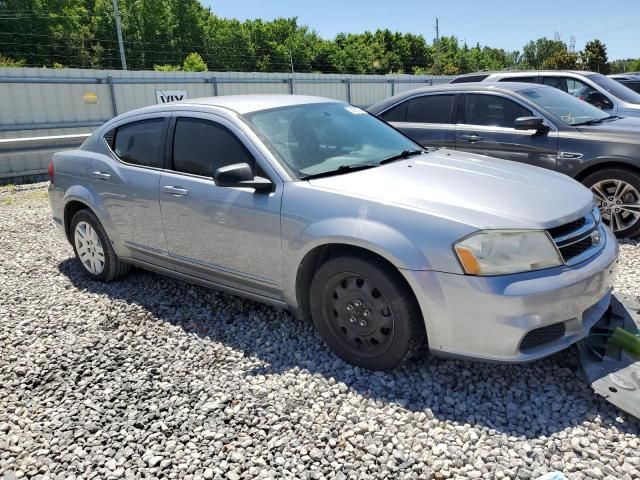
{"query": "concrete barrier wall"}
[(38, 102)]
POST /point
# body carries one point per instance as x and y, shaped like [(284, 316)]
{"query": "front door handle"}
[(101, 175), (471, 138), (175, 191)]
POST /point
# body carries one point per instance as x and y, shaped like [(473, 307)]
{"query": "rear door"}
[(486, 122), (227, 235), (127, 183), (427, 119)]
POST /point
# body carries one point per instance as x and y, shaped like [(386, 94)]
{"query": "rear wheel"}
[(617, 193), (365, 312), (93, 248)]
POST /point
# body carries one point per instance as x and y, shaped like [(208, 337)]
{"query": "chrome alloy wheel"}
[(619, 203), (89, 248)]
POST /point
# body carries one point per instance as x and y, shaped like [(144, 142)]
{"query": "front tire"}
[(365, 312), (93, 248), (617, 191)]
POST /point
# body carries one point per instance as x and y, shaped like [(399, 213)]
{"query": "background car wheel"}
[(365, 312), (617, 192), (93, 248)]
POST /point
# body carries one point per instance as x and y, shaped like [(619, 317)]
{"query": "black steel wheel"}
[(365, 312)]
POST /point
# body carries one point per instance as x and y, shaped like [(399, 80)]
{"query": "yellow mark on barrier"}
[(90, 98)]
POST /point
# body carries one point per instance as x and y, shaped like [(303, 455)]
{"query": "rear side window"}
[(430, 109), (528, 79), (494, 111), (396, 114), (138, 143), (469, 79), (200, 147), (556, 82)]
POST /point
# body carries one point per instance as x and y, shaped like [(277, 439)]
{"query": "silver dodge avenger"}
[(314, 205)]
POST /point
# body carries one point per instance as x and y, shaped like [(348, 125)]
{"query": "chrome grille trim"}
[(567, 243)]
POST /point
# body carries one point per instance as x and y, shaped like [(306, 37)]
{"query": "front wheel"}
[(365, 312), (617, 193)]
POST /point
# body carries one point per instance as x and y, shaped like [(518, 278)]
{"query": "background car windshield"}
[(567, 108), (317, 138), (615, 88)]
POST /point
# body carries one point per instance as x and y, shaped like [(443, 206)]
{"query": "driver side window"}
[(200, 147), (493, 111)]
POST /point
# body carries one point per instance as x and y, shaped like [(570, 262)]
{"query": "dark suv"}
[(598, 90), (532, 124)]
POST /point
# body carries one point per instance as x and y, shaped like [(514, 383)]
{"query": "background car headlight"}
[(499, 252)]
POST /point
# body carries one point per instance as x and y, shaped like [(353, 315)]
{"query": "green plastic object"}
[(626, 340)]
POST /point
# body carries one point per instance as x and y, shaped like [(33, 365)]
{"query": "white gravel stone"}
[(151, 377)]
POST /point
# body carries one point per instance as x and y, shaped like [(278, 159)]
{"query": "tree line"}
[(183, 34)]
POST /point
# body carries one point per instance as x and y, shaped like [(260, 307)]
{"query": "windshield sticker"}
[(354, 110)]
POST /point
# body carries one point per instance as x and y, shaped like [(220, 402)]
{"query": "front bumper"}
[(487, 317)]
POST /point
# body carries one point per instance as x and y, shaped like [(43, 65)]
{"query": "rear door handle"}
[(101, 175), (175, 191), (471, 138)]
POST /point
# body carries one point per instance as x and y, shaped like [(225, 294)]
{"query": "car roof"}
[(520, 73), (503, 87), (240, 104)]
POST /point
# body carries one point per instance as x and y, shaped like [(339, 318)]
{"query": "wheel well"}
[(319, 255), (70, 209), (602, 166)]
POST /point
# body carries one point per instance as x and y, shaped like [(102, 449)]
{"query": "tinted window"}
[(556, 82), (396, 114), (201, 147), (635, 86), (430, 109), (493, 111), (139, 142), (469, 79), (519, 79)]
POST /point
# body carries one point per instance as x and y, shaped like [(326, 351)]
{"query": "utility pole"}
[(116, 14), (437, 62)]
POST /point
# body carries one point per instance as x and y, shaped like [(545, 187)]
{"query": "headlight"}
[(500, 252)]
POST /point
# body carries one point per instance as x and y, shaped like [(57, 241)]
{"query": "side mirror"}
[(240, 175), (531, 123)]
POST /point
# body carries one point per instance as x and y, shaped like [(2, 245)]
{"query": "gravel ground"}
[(151, 377)]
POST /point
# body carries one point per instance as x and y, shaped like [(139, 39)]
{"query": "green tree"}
[(561, 60), (536, 53), (194, 63), (634, 66), (594, 57)]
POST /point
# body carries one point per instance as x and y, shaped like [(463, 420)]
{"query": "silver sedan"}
[(314, 205)]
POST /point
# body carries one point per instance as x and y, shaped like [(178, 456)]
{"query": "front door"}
[(223, 234), (487, 127)]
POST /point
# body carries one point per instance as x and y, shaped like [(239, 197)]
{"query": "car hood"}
[(627, 128), (479, 191)]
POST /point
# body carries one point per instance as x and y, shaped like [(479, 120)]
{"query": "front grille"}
[(542, 335), (576, 239), (567, 227), (575, 249)]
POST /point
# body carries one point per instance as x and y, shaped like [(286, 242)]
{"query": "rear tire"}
[(365, 312), (93, 248), (617, 191)]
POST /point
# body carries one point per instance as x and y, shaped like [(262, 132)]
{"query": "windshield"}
[(323, 137), (615, 88), (565, 107)]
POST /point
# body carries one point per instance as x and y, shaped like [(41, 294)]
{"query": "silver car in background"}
[(316, 206)]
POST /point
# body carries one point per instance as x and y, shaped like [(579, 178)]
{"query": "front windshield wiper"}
[(341, 169), (402, 155), (597, 120)]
